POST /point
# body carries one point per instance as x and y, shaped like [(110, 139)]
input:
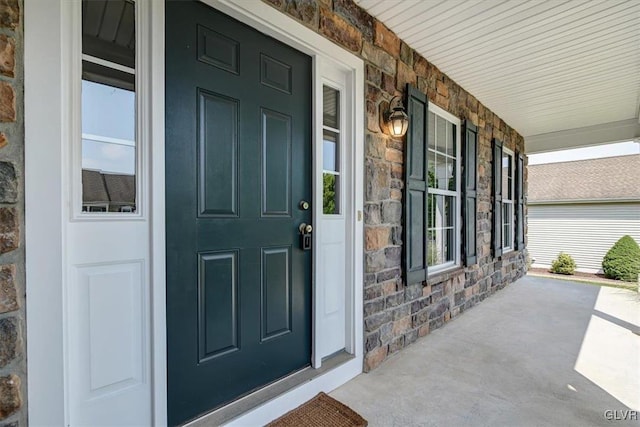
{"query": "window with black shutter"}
[(433, 179)]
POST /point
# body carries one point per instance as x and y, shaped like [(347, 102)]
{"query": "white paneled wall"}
[(584, 231)]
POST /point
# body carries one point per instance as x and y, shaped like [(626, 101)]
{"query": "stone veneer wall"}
[(12, 277), (395, 315)]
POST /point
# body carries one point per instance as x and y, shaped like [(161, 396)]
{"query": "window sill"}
[(509, 254), (443, 275)]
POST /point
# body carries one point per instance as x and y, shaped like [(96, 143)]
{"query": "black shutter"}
[(520, 201), (415, 227), (497, 198), (470, 151)]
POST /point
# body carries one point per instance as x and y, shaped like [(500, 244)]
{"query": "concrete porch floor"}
[(540, 352)]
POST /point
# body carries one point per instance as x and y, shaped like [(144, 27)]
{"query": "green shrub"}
[(564, 264), (622, 262)]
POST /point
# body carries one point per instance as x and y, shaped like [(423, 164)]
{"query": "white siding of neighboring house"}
[(584, 231)]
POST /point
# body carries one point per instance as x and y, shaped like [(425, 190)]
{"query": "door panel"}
[(276, 164), (218, 151), (217, 304), (276, 292), (238, 161)]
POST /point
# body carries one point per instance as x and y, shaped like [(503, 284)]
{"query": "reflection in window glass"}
[(331, 107), (330, 200), (507, 179), (331, 151), (108, 106), (431, 131)]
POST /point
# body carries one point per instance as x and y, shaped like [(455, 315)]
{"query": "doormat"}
[(321, 411)]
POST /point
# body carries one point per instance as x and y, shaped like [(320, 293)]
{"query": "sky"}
[(108, 112), (595, 152)]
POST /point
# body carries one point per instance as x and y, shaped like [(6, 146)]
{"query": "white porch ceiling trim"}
[(624, 130), (554, 70)]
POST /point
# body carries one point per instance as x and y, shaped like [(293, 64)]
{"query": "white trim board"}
[(43, 229), (45, 128), (605, 133)]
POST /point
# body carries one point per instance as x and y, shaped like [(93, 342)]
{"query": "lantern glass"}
[(398, 123)]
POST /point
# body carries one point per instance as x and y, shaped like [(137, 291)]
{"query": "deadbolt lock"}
[(304, 205)]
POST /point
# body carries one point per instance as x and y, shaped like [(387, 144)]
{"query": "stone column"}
[(12, 277)]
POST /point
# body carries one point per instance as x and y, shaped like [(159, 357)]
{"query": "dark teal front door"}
[(238, 164)]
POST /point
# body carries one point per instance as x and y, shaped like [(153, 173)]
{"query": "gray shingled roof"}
[(93, 188), (611, 178), (100, 187)]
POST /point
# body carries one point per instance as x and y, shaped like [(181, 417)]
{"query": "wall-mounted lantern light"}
[(396, 118)]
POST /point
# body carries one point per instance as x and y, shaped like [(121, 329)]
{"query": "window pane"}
[(108, 111), (432, 255), (507, 166), (441, 134), (331, 107), (431, 140), (330, 152), (507, 221), (108, 107), (451, 170), (451, 139), (108, 30), (440, 220), (431, 169), (449, 247), (450, 209), (444, 171), (330, 194), (441, 229), (108, 157), (431, 210)]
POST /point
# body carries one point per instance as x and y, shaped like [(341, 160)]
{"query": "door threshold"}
[(271, 391)]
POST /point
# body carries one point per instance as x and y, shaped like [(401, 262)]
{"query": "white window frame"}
[(436, 269), (509, 246)]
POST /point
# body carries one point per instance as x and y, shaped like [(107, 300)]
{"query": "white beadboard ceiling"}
[(562, 73)]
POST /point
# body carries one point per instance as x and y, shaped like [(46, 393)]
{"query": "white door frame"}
[(47, 194)]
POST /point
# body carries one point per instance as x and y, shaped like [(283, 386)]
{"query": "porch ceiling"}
[(563, 73)]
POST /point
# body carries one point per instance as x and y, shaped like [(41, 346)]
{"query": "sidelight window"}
[(109, 147)]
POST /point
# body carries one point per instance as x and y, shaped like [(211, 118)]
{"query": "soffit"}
[(542, 66)]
